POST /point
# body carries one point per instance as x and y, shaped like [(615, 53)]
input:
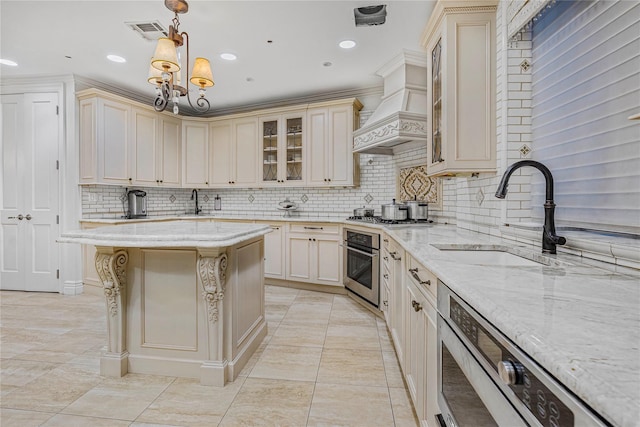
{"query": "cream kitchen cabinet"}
[(330, 159), (155, 149), (282, 145), (393, 257), (274, 252), (105, 135), (195, 154), (314, 254), (460, 40), (233, 152), (421, 341), (123, 144)]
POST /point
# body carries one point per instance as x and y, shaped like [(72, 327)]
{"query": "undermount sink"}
[(496, 255)]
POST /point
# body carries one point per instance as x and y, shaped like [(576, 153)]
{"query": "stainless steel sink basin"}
[(496, 255)]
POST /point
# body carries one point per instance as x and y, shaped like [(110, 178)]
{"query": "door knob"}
[(20, 217), (28, 217)]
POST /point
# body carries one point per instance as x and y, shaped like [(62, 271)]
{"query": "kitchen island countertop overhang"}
[(183, 298)]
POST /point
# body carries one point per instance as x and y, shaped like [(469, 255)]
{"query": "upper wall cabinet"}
[(283, 145), (104, 141), (233, 158), (460, 40), (330, 158), (123, 144)]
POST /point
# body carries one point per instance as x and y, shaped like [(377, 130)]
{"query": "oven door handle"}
[(349, 248)]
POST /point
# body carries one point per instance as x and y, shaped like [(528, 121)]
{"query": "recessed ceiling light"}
[(228, 56), (249, 79), (116, 58), (8, 62), (327, 64), (347, 44)]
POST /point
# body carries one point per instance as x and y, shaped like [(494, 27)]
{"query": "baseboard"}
[(72, 287), (306, 286)]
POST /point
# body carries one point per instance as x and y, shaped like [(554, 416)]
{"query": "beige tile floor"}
[(325, 362)]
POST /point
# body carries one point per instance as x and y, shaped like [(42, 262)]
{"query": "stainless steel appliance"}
[(388, 222), (137, 204), (485, 380), (362, 264)]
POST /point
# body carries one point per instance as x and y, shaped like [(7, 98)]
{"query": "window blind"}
[(586, 83)]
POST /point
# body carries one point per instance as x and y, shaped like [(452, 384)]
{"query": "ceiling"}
[(74, 37)]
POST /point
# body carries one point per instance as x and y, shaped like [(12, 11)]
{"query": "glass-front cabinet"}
[(282, 148)]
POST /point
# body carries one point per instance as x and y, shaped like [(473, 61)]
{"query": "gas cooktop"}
[(388, 222)]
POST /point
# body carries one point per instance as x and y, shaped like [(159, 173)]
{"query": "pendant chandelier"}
[(165, 69)]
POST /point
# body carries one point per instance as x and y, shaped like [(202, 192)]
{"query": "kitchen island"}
[(184, 298)]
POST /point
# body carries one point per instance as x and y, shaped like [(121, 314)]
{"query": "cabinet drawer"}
[(315, 228), (421, 276)]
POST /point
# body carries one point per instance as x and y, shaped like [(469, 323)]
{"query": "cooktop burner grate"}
[(379, 220)]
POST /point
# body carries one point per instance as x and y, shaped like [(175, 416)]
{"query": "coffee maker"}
[(137, 204)]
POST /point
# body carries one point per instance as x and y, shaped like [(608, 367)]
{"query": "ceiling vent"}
[(370, 15), (148, 30)]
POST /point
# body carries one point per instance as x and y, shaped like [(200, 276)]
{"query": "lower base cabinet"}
[(274, 250), (313, 254)]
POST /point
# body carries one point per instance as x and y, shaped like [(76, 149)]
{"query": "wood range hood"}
[(400, 121)]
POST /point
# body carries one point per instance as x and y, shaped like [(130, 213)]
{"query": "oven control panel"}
[(536, 396)]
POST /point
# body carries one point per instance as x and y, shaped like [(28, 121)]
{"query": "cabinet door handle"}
[(414, 273), (385, 303), (386, 276), (385, 240), (416, 305), (313, 228), (386, 258), (393, 256)]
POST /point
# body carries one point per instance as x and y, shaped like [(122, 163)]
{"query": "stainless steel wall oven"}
[(485, 380), (362, 264)]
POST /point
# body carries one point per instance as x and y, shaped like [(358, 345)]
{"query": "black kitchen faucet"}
[(549, 237), (194, 192)]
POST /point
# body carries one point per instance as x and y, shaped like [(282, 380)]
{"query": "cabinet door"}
[(144, 147), (299, 258), (245, 154), (339, 150), (416, 348), (221, 148), (113, 141), (274, 253), (328, 257), (169, 156), (397, 298), (195, 154), (293, 146), (88, 141), (317, 123), (270, 149)]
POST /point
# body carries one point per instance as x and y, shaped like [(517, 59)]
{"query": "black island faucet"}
[(549, 237)]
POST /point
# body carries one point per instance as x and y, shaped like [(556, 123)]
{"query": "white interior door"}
[(30, 192)]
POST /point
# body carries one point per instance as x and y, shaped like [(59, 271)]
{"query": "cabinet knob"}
[(130, 179), (416, 305), (161, 181), (207, 183)]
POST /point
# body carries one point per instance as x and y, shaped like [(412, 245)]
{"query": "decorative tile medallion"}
[(525, 65), (251, 198), (368, 198), (205, 198), (304, 198), (172, 198), (480, 197), (414, 184), (525, 151)]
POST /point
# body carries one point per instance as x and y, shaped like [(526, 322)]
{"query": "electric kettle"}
[(137, 204)]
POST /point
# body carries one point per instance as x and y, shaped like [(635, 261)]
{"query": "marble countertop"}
[(579, 321), (207, 217), (178, 234)]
